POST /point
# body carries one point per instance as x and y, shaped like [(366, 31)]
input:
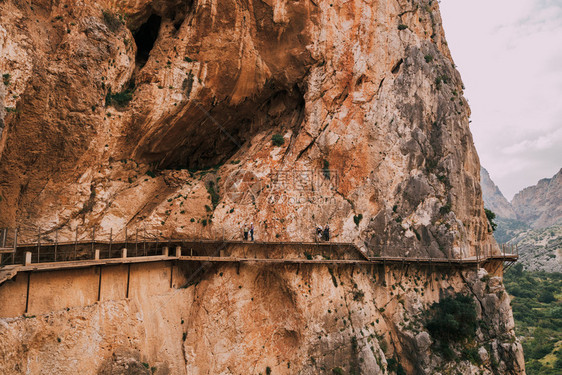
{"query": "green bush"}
[(213, 192), (394, 366), (452, 320), (277, 139), (357, 219), (546, 296), (471, 354), (326, 168), (402, 27), (358, 295), (538, 316), (441, 79), (445, 209), (120, 99), (428, 58), (6, 79), (490, 215)]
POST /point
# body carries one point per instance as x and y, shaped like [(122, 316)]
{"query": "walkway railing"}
[(48, 249)]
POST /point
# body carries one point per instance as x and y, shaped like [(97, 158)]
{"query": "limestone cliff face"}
[(493, 197), (539, 205), (2, 110), (372, 137), (306, 320), (365, 95)]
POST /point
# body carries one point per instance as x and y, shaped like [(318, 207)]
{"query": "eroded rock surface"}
[(539, 205), (365, 95), (493, 197), (294, 320), (145, 115)]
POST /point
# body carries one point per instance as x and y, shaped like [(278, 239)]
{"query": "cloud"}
[(509, 55), (543, 142)]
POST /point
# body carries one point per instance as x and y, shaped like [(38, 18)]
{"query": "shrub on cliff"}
[(490, 215), (213, 194), (452, 320), (120, 99), (277, 139)]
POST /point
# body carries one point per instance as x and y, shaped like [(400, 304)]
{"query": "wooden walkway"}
[(82, 254)]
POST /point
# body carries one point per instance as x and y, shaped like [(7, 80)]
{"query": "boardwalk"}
[(82, 254)]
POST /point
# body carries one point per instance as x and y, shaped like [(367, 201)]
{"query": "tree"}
[(491, 216)]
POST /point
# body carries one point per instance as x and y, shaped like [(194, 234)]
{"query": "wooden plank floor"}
[(9, 271)]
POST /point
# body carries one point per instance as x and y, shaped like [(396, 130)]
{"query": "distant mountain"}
[(508, 229), (532, 221), (540, 249), (493, 197), (540, 206)]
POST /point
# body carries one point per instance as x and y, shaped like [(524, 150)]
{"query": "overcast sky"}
[(509, 54)]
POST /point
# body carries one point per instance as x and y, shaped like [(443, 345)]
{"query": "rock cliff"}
[(540, 249), (312, 320), (540, 205), (365, 96), (189, 119), (493, 197)]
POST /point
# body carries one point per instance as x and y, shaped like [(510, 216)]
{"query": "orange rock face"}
[(191, 119), (364, 94)]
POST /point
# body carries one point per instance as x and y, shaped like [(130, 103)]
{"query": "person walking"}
[(318, 233), (252, 231), (327, 233), (245, 232)]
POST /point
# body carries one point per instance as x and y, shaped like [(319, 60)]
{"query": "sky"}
[(509, 54)]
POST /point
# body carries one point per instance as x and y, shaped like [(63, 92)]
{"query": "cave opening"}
[(145, 37), (200, 140)]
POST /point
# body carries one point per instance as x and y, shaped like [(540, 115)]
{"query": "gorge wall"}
[(293, 320), (367, 90), (159, 115), (539, 205), (493, 197)]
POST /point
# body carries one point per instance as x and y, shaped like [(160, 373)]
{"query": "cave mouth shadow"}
[(207, 138), (145, 37)]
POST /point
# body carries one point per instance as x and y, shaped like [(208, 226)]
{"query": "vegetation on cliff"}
[(453, 320), (537, 309)]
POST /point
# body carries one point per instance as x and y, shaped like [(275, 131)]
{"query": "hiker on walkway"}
[(245, 232), (252, 231), (326, 233), (318, 233)]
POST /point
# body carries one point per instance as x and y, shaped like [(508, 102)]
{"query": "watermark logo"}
[(242, 187), (299, 187), (292, 187)]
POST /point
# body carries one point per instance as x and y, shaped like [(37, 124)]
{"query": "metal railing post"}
[(56, 242), (39, 244), (15, 245), (137, 242), (75, 242), (110, 240), (93, 239)]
